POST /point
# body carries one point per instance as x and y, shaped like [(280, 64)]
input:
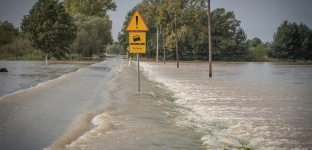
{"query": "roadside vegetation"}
[(59, 30), (291, 42), (72, 29)]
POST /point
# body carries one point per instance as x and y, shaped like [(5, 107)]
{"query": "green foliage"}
[(254, 42), (258, 53), (292, 42), (93, 33), (7, 32), (90, 7), (192, 30), (51, 28), (20, 49), (115, 49)]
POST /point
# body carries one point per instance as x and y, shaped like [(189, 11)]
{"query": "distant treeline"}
[(69, 30), (229, 41), (82, 28)]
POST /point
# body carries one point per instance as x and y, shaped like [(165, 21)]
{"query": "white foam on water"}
[(101, 125), (211, 111)]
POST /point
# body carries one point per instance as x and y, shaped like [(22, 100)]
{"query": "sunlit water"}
[(255, 105)]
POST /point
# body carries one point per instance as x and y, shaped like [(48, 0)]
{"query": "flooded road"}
[(265, 106), (26, 74), (257, 105), (34, 118), (95, 108)]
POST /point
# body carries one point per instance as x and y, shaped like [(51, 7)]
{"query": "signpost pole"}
[(209, 37), (138, 72), (176, 37), (164, 46), (157, 46)]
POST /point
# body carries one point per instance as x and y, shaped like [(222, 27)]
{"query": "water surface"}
[(25, 74), (257, 105)]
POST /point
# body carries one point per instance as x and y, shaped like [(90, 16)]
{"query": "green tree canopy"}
[(93, 33), (258, 53), (90, 7), (192, 29), (254, 42), (7, 32), (292, 42), (51, 28)]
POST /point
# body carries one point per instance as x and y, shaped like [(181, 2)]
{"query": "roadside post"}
[(137, 29), (46, 60)]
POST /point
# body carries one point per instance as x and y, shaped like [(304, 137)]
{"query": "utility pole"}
[(177, 49), (164, 46), (209, 38), (157, 46)]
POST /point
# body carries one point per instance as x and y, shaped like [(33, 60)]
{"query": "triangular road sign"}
[(137, 23)]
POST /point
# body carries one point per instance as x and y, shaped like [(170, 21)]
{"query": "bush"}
[(20, 49)]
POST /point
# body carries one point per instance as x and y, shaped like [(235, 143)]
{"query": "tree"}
[(258, 53), (20, 48), (7, 32), (239, 51), (305, 36), (51, 28), (292, 42), (192, 30), (93, 33), (90, 7), (254, 42)]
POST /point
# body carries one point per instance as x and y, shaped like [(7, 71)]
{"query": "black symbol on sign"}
[(136, 38), (136, 20)]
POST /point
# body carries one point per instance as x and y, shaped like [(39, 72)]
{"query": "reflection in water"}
[(258, 105)]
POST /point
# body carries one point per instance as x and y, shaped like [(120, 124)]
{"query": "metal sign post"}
[(138, 57)]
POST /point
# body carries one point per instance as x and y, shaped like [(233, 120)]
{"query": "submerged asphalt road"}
[(58, 109)]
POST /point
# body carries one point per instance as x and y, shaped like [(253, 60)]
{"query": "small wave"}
[(85, 127), (102, 125), (220, 127)]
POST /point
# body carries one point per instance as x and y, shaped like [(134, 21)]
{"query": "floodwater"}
[(26, 74), (95, 108), (256, 105)]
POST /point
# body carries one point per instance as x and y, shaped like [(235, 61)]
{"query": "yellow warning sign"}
[(137, 42), (137, 23)]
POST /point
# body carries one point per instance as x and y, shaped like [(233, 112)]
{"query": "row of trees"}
[(59, 30), (15, 45), (83, 28), (192, 30), (229, 41)]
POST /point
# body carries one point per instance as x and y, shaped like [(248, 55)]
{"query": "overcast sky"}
[(259, 18)]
